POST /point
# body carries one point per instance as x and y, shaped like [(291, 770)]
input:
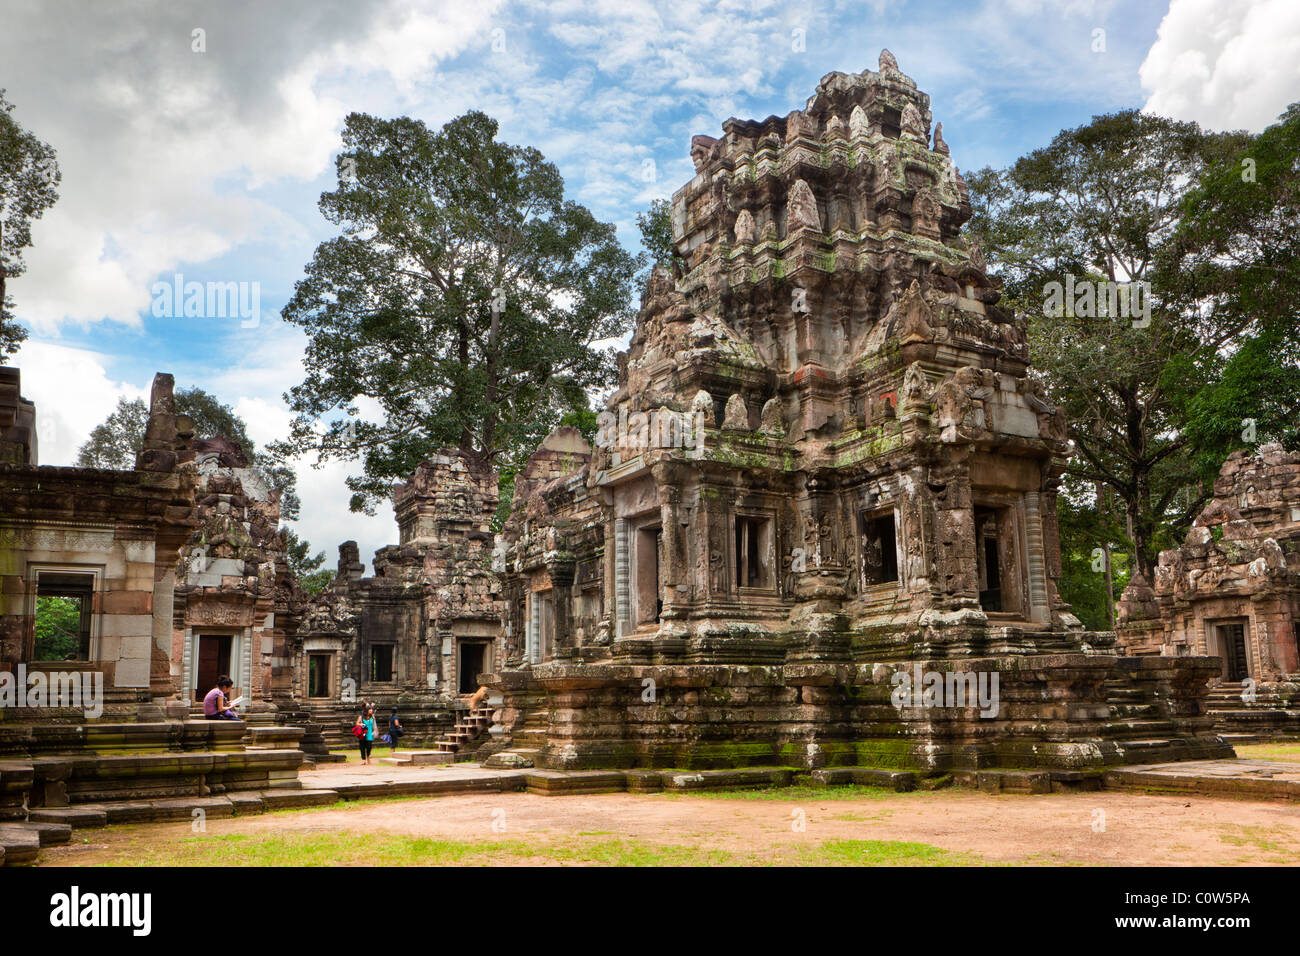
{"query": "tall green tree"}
[(58, 628), (116, 441), (1101, 204), (1235, 262), (306, 567), (28, 177), (465, 301), (656, 228)]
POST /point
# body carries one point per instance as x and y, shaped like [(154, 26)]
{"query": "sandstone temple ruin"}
[(1232, 591), (817, 527), (825, 463)]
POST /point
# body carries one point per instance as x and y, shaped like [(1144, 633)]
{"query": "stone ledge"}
[(900, 781), (78, 818), (290, 799), (556, 783), (750, 778)]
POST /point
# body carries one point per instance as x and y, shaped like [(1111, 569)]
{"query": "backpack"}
[(358, 731)]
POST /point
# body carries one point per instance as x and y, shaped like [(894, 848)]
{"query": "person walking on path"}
[(365, 739)]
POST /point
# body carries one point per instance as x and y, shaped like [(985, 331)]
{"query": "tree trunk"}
[(462, 353)]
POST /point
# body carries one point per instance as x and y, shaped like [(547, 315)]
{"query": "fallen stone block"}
[(748, 778), (505, 760), (182, 808), (50, 834), (21, 845), (244, 803), (79, 818), (1014, 781)]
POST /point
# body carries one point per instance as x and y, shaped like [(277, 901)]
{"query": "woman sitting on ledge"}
[(216, 706)]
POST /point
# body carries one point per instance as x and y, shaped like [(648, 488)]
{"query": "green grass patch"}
[(883, 853), (387, 849), (341, 848), (1286, 752), (1261, 841)]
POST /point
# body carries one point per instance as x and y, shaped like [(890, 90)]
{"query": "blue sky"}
[(209, 162)]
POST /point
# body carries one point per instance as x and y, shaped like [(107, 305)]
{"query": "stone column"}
[(622, 594), (534, 628), (673, 569), (1035, 562), (161, 685)]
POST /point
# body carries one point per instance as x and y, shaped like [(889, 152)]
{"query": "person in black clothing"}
[(395, 730)]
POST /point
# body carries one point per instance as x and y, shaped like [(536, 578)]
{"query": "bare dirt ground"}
[(1104, 828)]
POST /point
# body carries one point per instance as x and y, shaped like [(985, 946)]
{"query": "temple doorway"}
[(988, 557), (473, 661), (318, 675), (1231, 637), (213, 662)]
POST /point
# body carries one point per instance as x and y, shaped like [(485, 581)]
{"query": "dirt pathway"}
[(1097, 829)]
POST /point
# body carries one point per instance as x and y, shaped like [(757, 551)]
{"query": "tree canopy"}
[(466, 302), (28, 177), (1156, 397)]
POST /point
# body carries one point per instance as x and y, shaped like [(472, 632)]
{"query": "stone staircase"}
[(528, 736), (1157, 717), (59, 774), (1274, 714), (470, 725), (266, 729), (1137, 725)]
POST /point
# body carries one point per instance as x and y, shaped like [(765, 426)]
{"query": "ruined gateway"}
[(824, 463)]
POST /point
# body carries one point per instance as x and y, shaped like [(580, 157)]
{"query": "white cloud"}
[(1226, 64), (159, 146), (73, 393)]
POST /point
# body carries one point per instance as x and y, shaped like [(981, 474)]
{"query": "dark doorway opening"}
[(214, 662), (989, 557), (1232, 641), (879, 549), (318, 675), (473, 658), (381, 663), (753, 552), (649, 588)]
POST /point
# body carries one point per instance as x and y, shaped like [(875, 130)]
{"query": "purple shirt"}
[(212, 702)]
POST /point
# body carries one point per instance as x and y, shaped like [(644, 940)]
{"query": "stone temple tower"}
[(824, 461)]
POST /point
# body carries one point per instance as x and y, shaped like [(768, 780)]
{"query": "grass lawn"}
[(1287, 752), (386, 849)]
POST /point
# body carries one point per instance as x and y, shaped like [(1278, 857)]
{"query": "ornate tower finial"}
[(888, 62), (939, 145)]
